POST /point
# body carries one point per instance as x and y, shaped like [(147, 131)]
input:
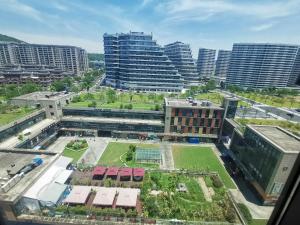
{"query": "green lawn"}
[(114, 150), (13, 115), (259, 222), (142, 101), (284, 101), (293, 127), (202, 158), (73, 154)]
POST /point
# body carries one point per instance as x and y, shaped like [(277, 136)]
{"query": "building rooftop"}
[(43, 95), (285, 140), (105, 196), (191, 103), (78, 195), (127, 197), (15, 158)]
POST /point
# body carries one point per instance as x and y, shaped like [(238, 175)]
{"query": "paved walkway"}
[(204, 188), (97, 145), (167, 156), (257, 211)]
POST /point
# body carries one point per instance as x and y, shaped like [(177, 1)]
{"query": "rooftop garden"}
[(123, 154), (292, 127), (200, 158), (75, 149), (10, 113), (288, 98)]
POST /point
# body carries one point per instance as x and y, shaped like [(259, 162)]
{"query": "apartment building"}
[(206, 62), (222, 63), (68, 58), (181, 56), (262, 65)]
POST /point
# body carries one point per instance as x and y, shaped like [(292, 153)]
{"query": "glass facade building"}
[(181, 56), (222, 63), (265, 155), (134, 61), (262, 65), (206, 62)]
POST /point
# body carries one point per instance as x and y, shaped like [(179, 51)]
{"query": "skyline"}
[(201, 23)]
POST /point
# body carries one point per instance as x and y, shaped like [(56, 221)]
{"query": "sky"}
[(201, 23)]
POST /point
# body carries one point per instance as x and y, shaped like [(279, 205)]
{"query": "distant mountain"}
[(9, 39), (95, 56)]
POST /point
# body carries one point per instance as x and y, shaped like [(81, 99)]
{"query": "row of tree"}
[(266, 91)]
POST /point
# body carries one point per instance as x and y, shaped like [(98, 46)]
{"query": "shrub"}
[(92, 104), (129, 155), (132, 147), (76, 99), (157, 107), (216, 181), (230, 215), (121, 106), (21, 137), (245, 211), (129, 106)]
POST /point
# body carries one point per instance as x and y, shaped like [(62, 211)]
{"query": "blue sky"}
[(201, 23)]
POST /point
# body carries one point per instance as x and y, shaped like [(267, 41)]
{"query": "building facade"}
[(134, 61), (206, 62), (68, 58), (260, 66), (222, 63), (265, 155), (42, 75), (181, 56), (201, 119)]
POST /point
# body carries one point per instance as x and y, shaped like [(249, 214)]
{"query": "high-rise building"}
[(68, 58), (135, 61), (181, 56), (262, 65), (222, 63), (206, 62)]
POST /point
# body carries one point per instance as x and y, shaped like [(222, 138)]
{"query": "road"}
[(282, 113)]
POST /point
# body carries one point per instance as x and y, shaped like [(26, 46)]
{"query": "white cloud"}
[(89, 45), (262, 27), (14, 6), (199, 10)]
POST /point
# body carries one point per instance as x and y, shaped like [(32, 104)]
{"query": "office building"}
[(260, 66), (181, 56), (134, 61), (206, 62), (193, 118), (68, 58), (222, 63), (265, 155)]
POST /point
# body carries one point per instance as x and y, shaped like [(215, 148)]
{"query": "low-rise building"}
[(265, 156), (51, 101), (193, 118)]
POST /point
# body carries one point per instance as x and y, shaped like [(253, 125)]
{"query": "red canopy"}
[(112, 171), (99, 170), (138, 172), (125, 172)]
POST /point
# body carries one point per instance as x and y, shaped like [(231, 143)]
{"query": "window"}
[(50, 106), (52, 113)]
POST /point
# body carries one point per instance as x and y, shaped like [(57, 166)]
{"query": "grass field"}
[(73, 154), (114, 150), (6, 118), (201, 158)]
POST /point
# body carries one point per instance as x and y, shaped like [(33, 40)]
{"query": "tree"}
[(30, 87), (111, 95), (58, 85), (211, 85)]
